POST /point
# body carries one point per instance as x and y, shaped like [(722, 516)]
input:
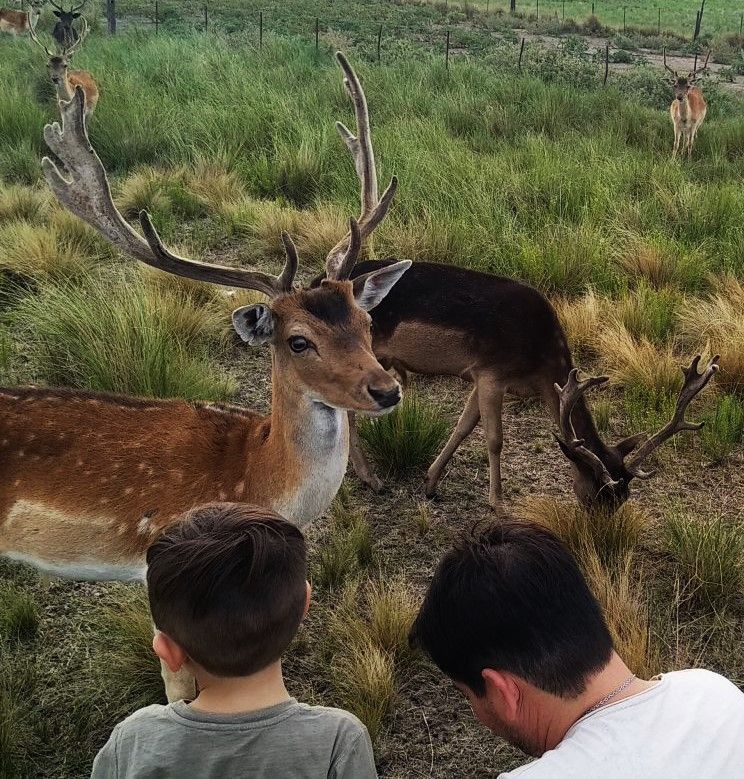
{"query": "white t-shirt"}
[(688, 726)]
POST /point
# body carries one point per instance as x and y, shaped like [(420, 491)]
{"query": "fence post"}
[(537, 10), (623, 18), (741, 24), (521, 52), (111, 16), (157, 17), (260, 29), (206, 19), (563, 9), (607, 63), (379, 42), (512, 6), (317, 33), (592, 7), (658, 29), (696, 31), (446, 51), (694, 67)]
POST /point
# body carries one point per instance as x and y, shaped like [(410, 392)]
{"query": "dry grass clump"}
[(582, 319), (658, 261), (610, 537), (215, 183), (17, 202), (142, 191), (709, 555), (39, 252), (716, 324), (639, 363)]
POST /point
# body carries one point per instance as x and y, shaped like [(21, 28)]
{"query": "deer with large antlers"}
[(20, 22), (688, 108), (64, 79), (504, 337), (89, 478), (64, 31)]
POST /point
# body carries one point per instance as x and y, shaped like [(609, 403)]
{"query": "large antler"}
[(343, 256), (68, 51), (695, 75), (35, 39), (88, 195), (673, 72), (693, 384), (568, 395)]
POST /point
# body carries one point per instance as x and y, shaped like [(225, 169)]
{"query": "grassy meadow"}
[(542, 175)]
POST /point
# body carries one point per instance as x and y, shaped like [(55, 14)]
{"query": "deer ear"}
[(371, 288), (254, 324), (57, 14), (627, 445), (76, 16)]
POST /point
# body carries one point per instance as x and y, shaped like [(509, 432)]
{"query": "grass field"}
[(543, 175)]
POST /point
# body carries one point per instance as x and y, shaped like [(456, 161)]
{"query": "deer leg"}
[(491, 401), (465, 425), (677, 137), (359, 460)]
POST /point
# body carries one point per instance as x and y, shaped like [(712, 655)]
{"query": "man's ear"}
[(254, 324), (503, 693), (169, 651), (372, 287)]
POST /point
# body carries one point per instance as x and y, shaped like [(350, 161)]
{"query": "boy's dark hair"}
[(227, 584), (511, 597)]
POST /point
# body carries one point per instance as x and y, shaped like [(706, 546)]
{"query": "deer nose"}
[(385, 398)]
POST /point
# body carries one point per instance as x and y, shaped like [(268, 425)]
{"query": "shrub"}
[(649, 313), (347, 550), (709, 554), (408, 438), (724, 428)]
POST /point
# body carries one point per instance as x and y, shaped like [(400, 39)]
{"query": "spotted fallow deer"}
[(89, 478), (20, 22), (688, 108), (505, 337), (65, 80)]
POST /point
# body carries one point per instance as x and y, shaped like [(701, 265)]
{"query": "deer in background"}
[(88, 479), (688, 108), (20, 22), (504, 336), (64, 31), (66, 80)]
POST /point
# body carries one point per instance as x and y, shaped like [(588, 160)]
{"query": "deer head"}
[(683, 84), (64, 32), (602, 479), (59, 62), (320, 337)]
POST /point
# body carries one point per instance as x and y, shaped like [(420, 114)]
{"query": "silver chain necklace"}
[(610, 696)]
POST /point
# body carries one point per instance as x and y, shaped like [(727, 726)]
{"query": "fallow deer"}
[(20, 22), (688, 108), (504, 336), (89, 478), (64, 31), (66, 80)]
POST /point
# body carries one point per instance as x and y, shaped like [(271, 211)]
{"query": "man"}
[(510, 618)]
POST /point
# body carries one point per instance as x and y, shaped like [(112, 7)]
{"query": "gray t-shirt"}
[(290, 739)]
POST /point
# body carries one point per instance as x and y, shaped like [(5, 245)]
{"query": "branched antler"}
[(68, 51), (695, 75), (673, 72), (35, 39), (694, 383), (568, 395), (86, 192), (343, 256)]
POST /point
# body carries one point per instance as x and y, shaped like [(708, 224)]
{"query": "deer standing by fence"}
[(88, 479), (66, 80), (20, 22), (504, 336), (688, 108)]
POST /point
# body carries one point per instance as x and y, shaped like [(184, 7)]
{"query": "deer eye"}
[(298, 344)]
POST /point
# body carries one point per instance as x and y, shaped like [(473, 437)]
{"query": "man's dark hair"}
[(227, 584), (511, 598)]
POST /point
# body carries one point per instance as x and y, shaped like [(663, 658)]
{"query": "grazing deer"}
[(89, 478), (66, 80), (688, 108), (504, 336), (20, 22), (64, 31)]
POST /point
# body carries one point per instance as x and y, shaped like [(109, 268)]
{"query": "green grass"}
[(724, 428), (408, 438), (19, 617), (118, 333)]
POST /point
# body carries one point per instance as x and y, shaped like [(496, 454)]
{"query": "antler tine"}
[(58, 7), (673, 72), (568, 395), (693, 384), (373, 208), (87, 194), (35, 39), (82, 35), (699, 71)]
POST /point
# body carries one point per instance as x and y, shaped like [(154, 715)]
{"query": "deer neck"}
[(64, 89), (310, 442)]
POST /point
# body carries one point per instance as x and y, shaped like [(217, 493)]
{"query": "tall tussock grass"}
[(117, 333)]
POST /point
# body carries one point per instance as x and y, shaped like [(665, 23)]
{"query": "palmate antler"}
[(85, 190), (693, 384), (341, 259)]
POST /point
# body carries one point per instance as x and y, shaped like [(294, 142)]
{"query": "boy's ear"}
[(371, 288), (254, 324), (503, 694), (168, 651)]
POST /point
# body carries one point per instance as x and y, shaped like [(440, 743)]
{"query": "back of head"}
[(511, 598), (227, 583)]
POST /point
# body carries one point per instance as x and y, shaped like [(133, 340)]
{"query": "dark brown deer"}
[(64, 31), (504, 336), (688, 108)]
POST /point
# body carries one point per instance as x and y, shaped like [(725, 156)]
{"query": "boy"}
[(228, 590)]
